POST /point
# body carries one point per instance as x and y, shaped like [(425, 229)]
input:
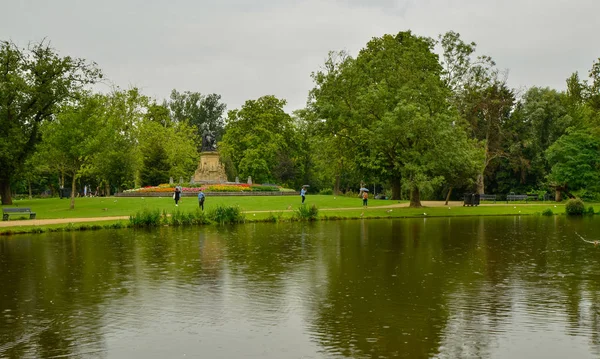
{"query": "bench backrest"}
[(487, 196), (516, 196), (16, 210)]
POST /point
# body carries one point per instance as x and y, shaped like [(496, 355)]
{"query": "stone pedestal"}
[(210, 169)]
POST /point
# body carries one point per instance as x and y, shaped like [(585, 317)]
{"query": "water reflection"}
[(454, 287)]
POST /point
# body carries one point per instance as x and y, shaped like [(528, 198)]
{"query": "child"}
[(365, 197), (303, 194)]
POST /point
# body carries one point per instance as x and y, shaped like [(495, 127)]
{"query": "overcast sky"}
[(244, 49)]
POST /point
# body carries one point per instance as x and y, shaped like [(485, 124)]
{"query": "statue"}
[(208, 141)]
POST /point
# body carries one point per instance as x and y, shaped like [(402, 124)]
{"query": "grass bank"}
[(90, 212)]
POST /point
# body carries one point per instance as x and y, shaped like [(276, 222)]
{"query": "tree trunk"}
[(480, 184), (5, 192), (396, 188), (558, 195), (72, 205), (338, 175), (415, 198), (448, 196), (106, 189)]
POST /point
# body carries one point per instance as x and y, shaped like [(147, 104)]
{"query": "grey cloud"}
[(246, 49)]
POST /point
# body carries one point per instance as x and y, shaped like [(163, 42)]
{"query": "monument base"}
[(210, 169)]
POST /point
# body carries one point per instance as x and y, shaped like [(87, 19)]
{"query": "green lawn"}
[(328, 205), (125, 206)]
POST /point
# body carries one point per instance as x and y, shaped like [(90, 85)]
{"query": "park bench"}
[(16, 210), (517, 197), (487, 197)]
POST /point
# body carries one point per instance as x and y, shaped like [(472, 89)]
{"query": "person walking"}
[(303, 194), (177, 195), (201, 197), (365, 197)]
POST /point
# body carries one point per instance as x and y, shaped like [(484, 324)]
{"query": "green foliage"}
[(223, 214), (575, 159), (306, 213), (34, 83), (547, 212), (261, 141), (587, 195), (156, 166), (182, 218), (574, 207), (590, 210), (202, 112), (326, 191), (146, 218), (390, 105), (274, 217)]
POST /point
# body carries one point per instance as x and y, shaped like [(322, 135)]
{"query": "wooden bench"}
[(487, 197), (517, 197), (16, 210)]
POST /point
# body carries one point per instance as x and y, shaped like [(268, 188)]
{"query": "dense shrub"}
[(146, 218), (179, 218), (590, 210), (574, 207), (306, 213), (547, 212), (226, 214), (326, 191)]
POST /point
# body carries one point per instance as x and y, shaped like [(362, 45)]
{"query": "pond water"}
[(499, 287)]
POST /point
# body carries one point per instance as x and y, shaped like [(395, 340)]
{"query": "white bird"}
[(115, 200), (515, 207), (362, 214), (585, 240), (424, 214), (389, 210)]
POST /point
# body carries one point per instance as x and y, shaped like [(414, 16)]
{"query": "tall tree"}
[(204, 112), (115, 156), (392, 105), (167, 151), (33, 83), (67, 141), (479, 93), (262, 142), (575, 161)]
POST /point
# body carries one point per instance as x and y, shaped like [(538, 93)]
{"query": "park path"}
[(42, 222)]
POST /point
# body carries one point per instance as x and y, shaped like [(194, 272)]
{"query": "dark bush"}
[(547, 212), (574, 207), (306, 213), (226, 214)]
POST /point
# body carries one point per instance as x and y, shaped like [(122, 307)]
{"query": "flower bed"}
[(241, 187)]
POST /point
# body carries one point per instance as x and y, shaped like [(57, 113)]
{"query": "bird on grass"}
[(362, 214), (424, 214), (289, 207), (595, 243), (389, 210)]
